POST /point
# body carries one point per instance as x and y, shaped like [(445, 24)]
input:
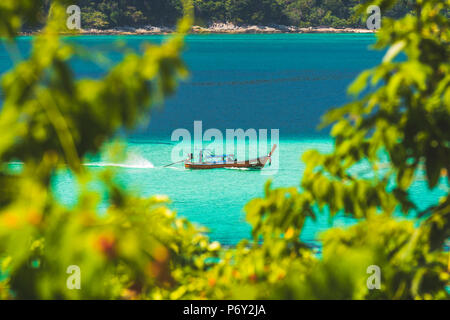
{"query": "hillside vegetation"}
[(302, 13), (133, 247)]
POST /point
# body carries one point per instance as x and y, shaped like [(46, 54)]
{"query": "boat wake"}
[(132, 162), (174, 168), (240, 169), (118, 165)]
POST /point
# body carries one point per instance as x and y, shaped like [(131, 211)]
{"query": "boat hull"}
[(256, 164)]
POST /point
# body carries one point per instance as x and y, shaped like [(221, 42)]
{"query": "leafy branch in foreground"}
[(399, 129), (138, 249), (396, 130), (49, 119)]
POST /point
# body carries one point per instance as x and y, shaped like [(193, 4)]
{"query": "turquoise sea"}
[(283, 82)]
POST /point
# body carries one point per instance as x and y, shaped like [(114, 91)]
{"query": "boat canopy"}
[(212, 154)]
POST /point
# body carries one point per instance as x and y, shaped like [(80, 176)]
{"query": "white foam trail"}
[(240, 169), (119, 165), (175, 168), (133, 161)]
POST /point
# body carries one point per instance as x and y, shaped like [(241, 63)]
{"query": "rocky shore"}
[(218, 28), (231, 28)]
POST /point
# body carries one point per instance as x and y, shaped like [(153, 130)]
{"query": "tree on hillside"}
[(119, 13)]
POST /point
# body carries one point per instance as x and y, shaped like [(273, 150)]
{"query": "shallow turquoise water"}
[(284, 82), (215, 198)]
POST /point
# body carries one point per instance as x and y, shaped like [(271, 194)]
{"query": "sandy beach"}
[(217, 28)]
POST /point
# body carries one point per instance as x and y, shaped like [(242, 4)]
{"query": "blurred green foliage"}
[(138, 249)]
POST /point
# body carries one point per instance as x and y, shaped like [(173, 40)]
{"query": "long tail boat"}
[(227, 161)]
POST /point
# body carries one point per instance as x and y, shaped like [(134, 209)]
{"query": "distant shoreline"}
[(220, 28)]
